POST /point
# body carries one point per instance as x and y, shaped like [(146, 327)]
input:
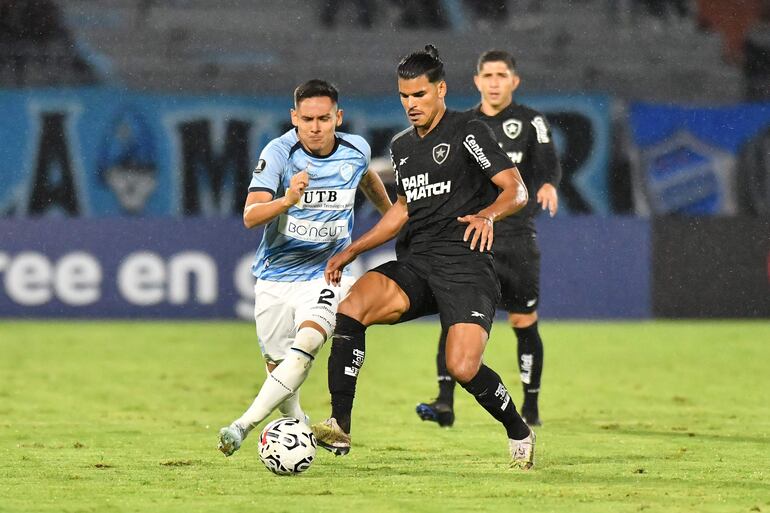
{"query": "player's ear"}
[(442, 89), (339, 117), (516, 82), (294, 117), (477, 81)]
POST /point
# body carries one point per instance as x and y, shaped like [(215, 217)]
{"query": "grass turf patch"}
[(651, 416)]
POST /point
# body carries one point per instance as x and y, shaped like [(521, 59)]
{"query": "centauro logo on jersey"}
[(328, 199), (477, 151), (313, 231), (417, 187)]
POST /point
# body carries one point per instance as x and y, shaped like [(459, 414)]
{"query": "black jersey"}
[(524, 135), (445, 175)]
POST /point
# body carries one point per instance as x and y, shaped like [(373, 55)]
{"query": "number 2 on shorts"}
[(326, 294)]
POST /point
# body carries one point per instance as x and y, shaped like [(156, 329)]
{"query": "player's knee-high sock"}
[(530, 350), (285, 378), (345, 361), (290, 407), (446, 383), (490, 392)]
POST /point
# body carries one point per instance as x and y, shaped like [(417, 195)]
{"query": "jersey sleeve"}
[(543, 159), (480, 143), (399, 187), (269, 169), (360, 145)]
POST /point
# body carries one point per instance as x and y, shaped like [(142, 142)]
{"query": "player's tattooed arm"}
[(512, 198), (372, 186), (385, 229), (261, 208)]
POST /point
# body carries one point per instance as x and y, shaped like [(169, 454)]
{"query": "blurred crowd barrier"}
[(593, 267)]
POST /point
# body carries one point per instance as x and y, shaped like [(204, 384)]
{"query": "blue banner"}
[(99, 152), (592, 267), (688, 156)]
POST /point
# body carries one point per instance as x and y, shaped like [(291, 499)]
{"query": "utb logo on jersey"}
[(512, 128), (440, 153)]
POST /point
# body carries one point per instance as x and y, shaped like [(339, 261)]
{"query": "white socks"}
[(280, 387), (291, 408)]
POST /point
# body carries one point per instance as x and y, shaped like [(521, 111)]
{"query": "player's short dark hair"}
[(496, 56), (314, 88), (424, 62)]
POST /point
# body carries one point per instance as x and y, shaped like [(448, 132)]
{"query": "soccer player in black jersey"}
[(454, 182), (524, 135)]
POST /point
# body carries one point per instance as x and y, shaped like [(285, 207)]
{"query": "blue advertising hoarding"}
[(101, 152), (689, 157), (166, 268)]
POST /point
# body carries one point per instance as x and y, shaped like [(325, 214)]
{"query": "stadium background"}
[(128, 132), (126, 119)]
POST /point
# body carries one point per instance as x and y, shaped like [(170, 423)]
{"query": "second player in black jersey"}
[(453, 183), (524, 135)]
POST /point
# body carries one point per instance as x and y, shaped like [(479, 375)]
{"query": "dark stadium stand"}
[(37, 48), (261, 46)]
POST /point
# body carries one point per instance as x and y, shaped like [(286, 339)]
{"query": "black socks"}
[(530, 351), (446, 383), (345, 361), (492, 395)]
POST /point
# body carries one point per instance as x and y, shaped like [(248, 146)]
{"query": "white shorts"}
[(281, 307)]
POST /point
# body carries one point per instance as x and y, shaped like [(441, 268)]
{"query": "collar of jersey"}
[(435, 130), (300, 146), (501, 114)]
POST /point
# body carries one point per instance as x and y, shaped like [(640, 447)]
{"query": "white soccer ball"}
[(287, 446)]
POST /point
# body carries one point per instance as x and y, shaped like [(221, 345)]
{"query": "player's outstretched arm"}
[(387, 228), (372, 186), (512, 198), (261, 208)]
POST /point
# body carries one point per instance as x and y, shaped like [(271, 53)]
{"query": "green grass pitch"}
[(651, 416)]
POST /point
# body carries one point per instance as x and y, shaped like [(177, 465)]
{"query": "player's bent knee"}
[(351, 306), (374, 299), (522, 320), (463, 370), (308, 341)]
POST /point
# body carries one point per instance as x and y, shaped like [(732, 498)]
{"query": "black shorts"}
[(461, 289), (517, 261)]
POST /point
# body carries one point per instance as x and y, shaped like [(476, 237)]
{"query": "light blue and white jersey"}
[(297, 244)]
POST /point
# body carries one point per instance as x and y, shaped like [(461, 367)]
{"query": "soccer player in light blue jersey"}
[(303, 190)]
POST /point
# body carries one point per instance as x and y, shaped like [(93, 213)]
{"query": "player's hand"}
[(481, 229), (548, 198), (335, 265), (297, 186)]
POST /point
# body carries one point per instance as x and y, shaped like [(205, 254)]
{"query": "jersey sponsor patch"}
[(313, 231), (542, 130), (512, 128), (476, 151), (261, 165), (417, 187), (440, 153), (328, 199)]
